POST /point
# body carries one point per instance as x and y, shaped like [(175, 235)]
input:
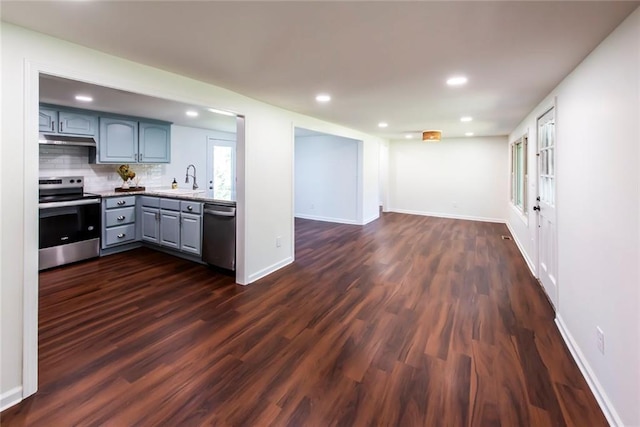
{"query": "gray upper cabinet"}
[(77, 123), (154, 143), (118, 141), (47, 120)]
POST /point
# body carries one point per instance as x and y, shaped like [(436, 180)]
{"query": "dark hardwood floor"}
[(408, 321)]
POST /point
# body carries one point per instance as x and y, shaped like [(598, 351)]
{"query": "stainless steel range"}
[(69, 221)]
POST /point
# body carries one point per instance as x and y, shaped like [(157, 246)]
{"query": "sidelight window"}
[(519, 173)]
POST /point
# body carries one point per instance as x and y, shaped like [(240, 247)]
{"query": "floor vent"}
[(506, 237)]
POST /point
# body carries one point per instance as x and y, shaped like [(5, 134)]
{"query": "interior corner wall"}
[(598, 216), (455, 178), (326, 178)]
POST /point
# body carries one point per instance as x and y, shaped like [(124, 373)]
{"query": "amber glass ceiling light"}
[(431, 135)]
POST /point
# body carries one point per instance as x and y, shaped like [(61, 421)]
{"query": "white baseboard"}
[(447, 215), (370, 219), (522, 251), (328, 219), (268, 270), (596, 388), (10, 398)]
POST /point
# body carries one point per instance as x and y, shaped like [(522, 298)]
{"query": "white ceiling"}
[(59, 91), (380, 61)]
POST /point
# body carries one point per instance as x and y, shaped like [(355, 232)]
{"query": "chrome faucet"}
[(195, 184)]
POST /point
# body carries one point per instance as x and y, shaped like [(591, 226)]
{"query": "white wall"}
[(598, 208), (189, 146), (457, 178), (265, 175), (326, 178)]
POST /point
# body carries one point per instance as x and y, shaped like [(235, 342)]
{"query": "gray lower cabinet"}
[(191, 233), (170, 228), (118, 221), (172, 223), (150, 220)]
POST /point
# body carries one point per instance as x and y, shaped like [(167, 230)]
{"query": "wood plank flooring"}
[(408, 321)]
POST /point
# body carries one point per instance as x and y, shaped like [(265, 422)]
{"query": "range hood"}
[(78, 141)]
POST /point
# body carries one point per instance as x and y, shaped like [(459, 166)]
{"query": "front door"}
[(547, 225)]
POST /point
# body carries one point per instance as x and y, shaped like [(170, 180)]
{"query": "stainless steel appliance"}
[(219, 235), (69, 221)]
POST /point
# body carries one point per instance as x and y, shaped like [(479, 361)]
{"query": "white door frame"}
[(32, 71)]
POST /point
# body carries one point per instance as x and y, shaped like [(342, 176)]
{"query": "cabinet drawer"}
[(121, 202), (190, 207), (121, 234), (120, 216), (150, 202), (170, 204)]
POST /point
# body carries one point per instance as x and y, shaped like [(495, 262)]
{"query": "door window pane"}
[(222, 172)]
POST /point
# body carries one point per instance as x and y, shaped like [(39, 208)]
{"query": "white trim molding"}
[(596, 388), (447, 215), (370, 219), (268, 270), (10, 398), (528, 260), (328, 219)]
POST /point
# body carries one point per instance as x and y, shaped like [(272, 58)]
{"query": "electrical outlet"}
[(278, 241), (600, 339)]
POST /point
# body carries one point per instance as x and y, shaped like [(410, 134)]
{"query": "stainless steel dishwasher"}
[(219, 235)]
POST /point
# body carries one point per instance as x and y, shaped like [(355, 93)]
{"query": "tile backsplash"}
[(64, 161)]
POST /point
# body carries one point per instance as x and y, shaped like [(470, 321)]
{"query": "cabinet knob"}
[(120, 218), (189, 208), (121, 202), (121, 235)]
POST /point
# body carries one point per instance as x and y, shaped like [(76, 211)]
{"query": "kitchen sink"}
[(177, 191)]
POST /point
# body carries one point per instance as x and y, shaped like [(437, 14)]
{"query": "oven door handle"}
[(52, 205)]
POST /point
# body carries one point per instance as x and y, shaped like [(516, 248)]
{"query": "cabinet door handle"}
[(60, 126), (120, 218), (121, 235), (140, 157), (121, 202), (52, 125)]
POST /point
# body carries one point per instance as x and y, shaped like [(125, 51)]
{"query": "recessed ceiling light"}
[(466, 119), (84, 98), (192, 113), (383, 124), (224, 113), (457, 80), (408, 136), (323, 97), (468, 134)]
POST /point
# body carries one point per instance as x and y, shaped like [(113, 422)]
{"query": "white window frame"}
[(517, 173)]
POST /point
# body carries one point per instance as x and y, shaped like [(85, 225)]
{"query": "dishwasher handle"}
[(219, 213)]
